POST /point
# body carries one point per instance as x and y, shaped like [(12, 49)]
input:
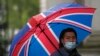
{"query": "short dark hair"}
[(62, 35)]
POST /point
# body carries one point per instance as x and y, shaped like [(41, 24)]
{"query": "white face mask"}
[(70, 45)]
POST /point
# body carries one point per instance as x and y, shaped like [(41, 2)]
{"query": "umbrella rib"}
[(50, 41)]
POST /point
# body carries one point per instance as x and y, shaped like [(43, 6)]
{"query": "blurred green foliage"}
[(19, 11), (13, 15)]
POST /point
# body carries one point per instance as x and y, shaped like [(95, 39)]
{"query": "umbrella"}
[(40, 35)]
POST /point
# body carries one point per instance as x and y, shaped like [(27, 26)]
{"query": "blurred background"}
[(15, 13)]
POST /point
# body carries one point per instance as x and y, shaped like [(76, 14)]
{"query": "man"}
[(68, 43)]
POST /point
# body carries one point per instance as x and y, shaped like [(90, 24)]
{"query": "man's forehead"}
[(70, 33)]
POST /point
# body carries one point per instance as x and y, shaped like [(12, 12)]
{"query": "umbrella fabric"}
[(40, 35)]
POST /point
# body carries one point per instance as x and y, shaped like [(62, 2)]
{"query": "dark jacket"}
[(64, 52)]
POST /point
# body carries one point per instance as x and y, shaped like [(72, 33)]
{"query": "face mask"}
[(70, 45)]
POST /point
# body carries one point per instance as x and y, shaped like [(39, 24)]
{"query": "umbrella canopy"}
[(40, 35)]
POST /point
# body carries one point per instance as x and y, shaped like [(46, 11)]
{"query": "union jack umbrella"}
[(39, 37)]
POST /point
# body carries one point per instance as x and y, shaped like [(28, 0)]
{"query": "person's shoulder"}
[(78, 54), (59, 52), (55, 53)]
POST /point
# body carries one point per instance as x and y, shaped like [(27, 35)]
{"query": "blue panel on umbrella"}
[(58, 27), (35, 49), (21, 33), (22, 52), (83, 19)]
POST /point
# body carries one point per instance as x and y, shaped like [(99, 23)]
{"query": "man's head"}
[(68, 38)]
